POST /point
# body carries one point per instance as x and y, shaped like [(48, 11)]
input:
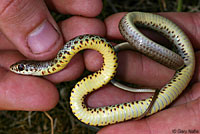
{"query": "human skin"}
[(22, 23), (29, 93), (183, 114)]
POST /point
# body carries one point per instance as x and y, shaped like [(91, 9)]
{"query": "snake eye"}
[(20, 67)]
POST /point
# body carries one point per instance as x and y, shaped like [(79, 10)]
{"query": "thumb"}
[(30, 27)]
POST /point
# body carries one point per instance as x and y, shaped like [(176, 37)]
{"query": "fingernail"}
[(42, 38)]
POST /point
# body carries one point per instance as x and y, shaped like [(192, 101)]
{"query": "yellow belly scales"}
[(120, 112)]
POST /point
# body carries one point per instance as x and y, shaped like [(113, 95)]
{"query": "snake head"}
[(24, 67)]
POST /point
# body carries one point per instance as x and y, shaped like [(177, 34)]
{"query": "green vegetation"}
[(20, 122)]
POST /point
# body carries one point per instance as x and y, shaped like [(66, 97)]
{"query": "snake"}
[(183, 62)]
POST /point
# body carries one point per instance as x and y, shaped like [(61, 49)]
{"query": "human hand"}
[(182, 114), (28, 27), (33, 93)]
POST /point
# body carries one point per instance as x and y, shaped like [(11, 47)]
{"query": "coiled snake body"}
[(116, 113)]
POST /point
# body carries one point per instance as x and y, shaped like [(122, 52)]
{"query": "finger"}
[(71, 28), (26, 93), (139, 69), (183, 117), (30, 27), (78, 25), (189, 94), (5, 44), (76, 65), (112, 95), (109, 95), (112, 23), (89, 8), (134, 68), (192, 29), (71, 72), (140, 66), (197, 68), (20, 92)]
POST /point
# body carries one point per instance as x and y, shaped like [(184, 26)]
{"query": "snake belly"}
[(102, 116), (164, 56)]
